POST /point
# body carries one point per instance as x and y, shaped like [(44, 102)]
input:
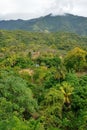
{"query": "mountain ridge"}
[(49, 23)]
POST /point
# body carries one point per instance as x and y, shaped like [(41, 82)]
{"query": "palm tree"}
[(67, 90)]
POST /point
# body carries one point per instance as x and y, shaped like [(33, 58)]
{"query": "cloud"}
[(61, 6), (27, 9)]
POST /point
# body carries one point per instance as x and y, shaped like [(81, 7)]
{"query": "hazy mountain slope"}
[(49, 23)]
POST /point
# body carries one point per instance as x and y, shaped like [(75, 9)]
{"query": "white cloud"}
[(26, 9)]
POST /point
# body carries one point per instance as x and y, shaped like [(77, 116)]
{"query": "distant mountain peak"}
[(49, 23), (48, 15), (68, 14)]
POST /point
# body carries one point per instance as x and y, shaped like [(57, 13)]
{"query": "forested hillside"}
[(43, 81), (49, 23)]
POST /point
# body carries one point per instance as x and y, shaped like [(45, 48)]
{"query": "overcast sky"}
[(27, 9)]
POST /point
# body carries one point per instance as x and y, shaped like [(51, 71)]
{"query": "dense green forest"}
[(43, 81)]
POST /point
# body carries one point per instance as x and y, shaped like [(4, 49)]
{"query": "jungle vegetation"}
[(43, 81)]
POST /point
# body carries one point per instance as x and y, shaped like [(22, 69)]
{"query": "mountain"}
[(49, 23)]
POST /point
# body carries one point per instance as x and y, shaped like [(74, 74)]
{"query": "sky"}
[(28, 9)]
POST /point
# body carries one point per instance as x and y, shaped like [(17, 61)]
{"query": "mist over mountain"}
[(49, 23)]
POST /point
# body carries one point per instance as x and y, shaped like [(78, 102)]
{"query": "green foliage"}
[(72, 78), (53, 104), (16, 91), (76, 59), (42, 87), (13, 123), (49, 62), (83, 80)]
